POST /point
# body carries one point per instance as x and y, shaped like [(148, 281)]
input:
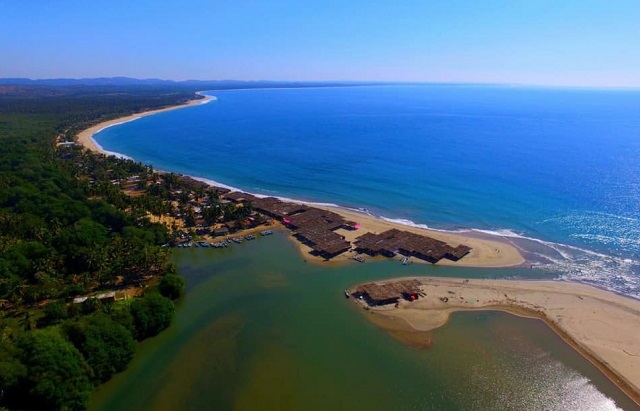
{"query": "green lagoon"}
[(261, 329)]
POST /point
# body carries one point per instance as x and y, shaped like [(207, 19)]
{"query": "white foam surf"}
[(107, 152), (564, 262), (561, 261)]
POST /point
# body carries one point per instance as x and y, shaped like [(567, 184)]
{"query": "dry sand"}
[(85, 137), (601, 325), (484, 253)]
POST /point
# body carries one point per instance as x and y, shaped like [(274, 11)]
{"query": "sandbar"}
[(601, 325)]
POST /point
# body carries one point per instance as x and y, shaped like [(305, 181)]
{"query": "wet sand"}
[(601, 325), (85, 137), (485, 252)]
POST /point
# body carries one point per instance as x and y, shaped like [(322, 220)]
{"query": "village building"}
[(394, 241), (388, 293)]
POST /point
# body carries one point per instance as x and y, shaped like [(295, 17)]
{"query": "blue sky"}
[(541, 42)]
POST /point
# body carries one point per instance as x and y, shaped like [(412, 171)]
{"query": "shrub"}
[(151, 314), (171, 286)]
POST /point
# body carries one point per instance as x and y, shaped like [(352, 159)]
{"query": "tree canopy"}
[(151, 315), (57, 375), (171, 286), (67, 230), (107, 346)]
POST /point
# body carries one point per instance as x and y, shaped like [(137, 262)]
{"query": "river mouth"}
[(261, 329)]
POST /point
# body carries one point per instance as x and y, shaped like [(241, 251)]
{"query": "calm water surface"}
[(556, 171), (260, 329)]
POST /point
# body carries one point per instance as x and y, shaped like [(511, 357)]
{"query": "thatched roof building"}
[(277, 208), (389, 293), (240, 197), (395, 241)]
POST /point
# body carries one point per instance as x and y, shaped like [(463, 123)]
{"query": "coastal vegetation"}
[(81, 262)]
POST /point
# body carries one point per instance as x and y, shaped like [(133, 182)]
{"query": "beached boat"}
[(405, 260), (358, 258), (346, 294)]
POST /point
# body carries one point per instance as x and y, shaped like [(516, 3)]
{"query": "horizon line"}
[(363, 82)]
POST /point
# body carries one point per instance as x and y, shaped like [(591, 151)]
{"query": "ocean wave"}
[(123, 156), (562, 262), (259, 195), (206, 100), (570, 263), (409, 223), (107, 152), (116, 124), (565, 261)]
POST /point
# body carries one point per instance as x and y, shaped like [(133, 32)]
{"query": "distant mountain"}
[(66, 82), (128, 82)]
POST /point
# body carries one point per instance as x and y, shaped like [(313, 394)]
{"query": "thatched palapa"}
[(389, 293), (395, 241)]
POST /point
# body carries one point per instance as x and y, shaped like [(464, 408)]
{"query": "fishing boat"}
[(237, 240), (405, 260), (250, 237), (266, 232)]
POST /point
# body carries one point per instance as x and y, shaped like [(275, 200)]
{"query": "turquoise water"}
[(555, 171), (260, 329)]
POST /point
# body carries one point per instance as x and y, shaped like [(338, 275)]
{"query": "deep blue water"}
[(556, 171)]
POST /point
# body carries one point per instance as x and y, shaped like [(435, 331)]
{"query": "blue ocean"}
[(554, 171)]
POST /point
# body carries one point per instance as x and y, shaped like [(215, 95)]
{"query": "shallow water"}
[(556, 170), (261, 329)]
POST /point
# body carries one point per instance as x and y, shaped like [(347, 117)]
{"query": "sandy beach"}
[(85, 136), (485, 252), (601, 325)]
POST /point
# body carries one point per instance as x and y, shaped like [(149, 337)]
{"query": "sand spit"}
[(485, 252), (601, 325)]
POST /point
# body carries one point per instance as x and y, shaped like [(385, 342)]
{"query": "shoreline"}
[(616, 363), (599, 324), (85, 137), (485, 253)]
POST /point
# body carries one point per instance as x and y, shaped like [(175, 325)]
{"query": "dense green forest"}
[(59, 240)]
